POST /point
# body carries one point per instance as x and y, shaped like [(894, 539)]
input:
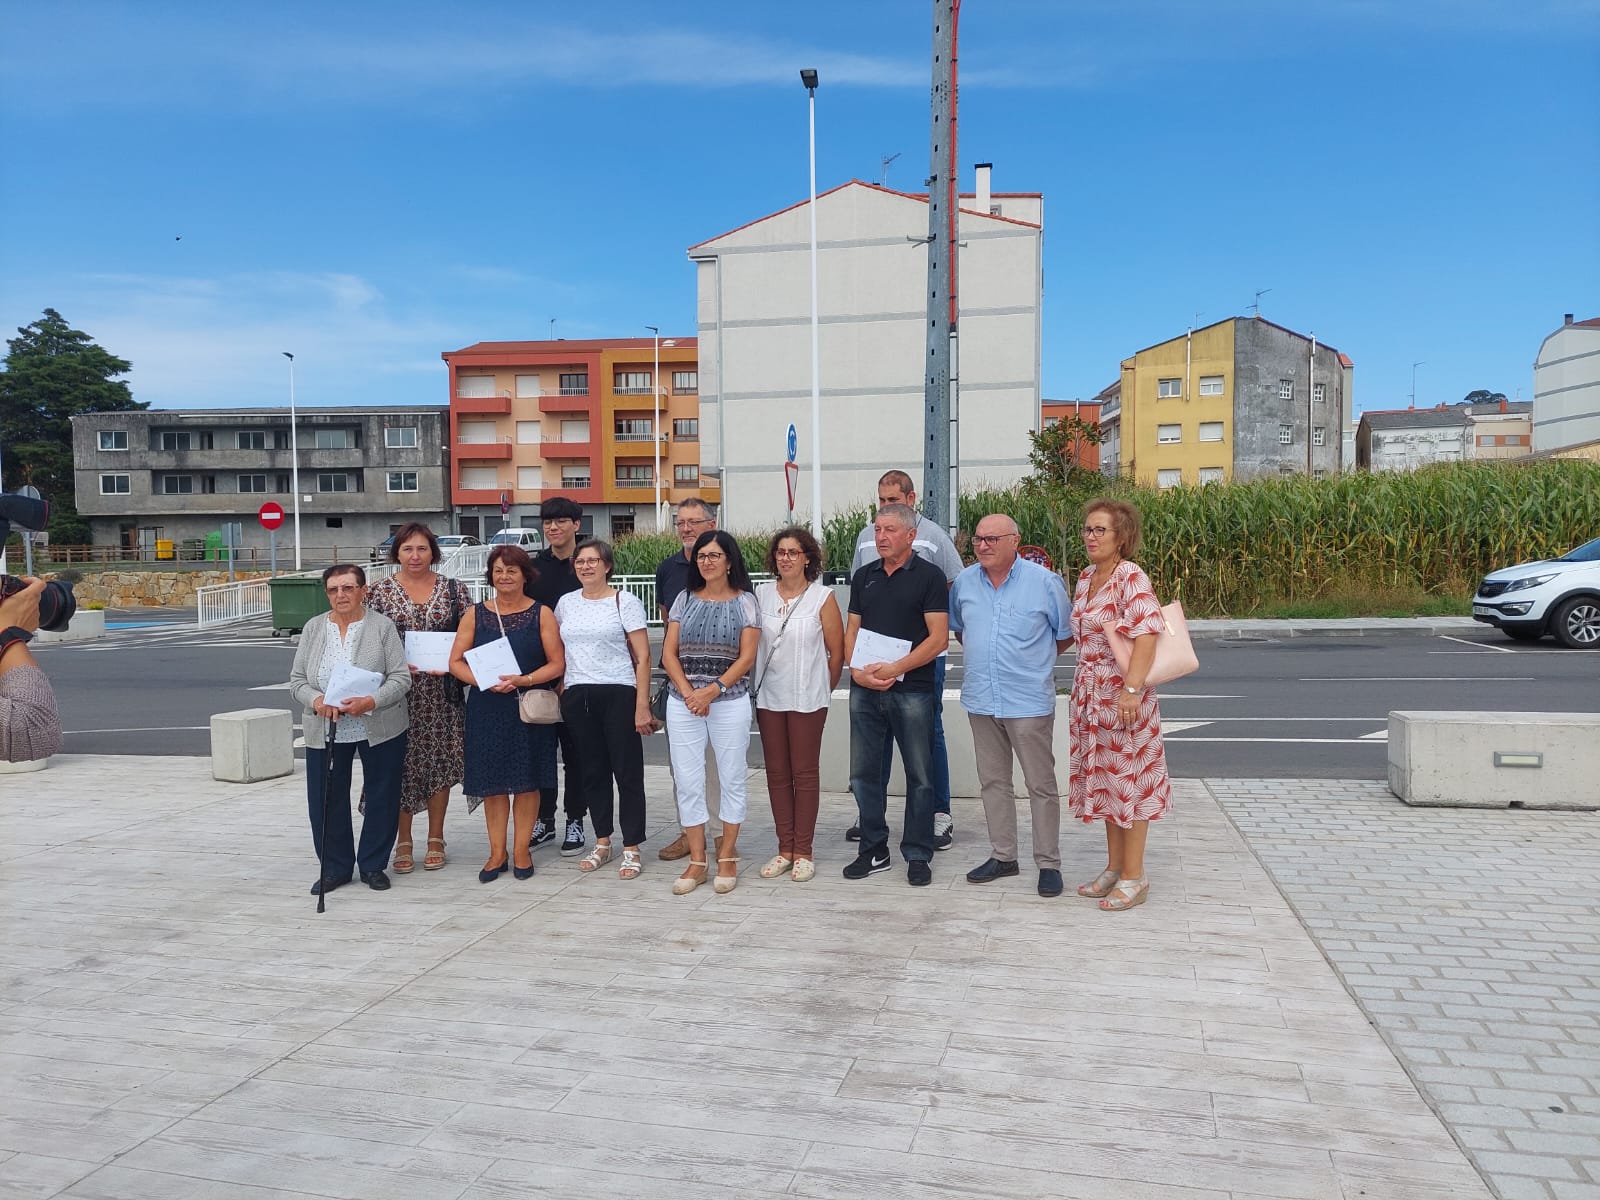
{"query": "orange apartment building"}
[(578, 419), (1052, 411)]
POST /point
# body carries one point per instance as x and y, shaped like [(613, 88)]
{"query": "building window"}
[(1317, 436), (528, 433), (575, 383), (185, 439), (686, 473), (336, 439), (1210, 431), (1169, 387), (1285, 389), (474, 387), (400, 437), (402, 481), (1285, 435), (177, 485), (479, 479), (528, 385), (1169, 478), (1211, 385), (685, 383), (281, 482), (280, 439), (1210, 475), (632, 383), (633, 477), (250, 439), (113, 439), (252, 483), (114, 485), (621, 525), (1319, 393), (1051, 422), (574, 477), (528, 479), (333, 523), (633, 430), (686, 429), (1319, 473), (575, 431), (334, 481), (1167, 435)]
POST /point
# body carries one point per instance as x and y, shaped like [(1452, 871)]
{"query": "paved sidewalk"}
[(177, 1022), (1472, 938)]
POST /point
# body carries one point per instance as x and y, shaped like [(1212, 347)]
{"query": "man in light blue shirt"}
[(1013, 618)]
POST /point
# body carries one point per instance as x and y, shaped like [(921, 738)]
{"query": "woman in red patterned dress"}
[(1119, 766)]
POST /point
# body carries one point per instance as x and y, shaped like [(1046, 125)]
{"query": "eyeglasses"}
[(709, 558), (691, 524), (1098, 531), (985, 539), (588, 562), (341, 590), (788, 554)]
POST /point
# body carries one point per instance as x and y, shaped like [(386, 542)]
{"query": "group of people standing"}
[(729, 646)]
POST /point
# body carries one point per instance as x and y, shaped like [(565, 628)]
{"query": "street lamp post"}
[(808, 77), (655, 418), (294, 461), (1414, 367)]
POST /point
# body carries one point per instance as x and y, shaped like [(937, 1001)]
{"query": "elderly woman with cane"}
[(371, 723)]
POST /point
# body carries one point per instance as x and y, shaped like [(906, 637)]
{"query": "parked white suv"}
[(530, 540), (1555, 595)]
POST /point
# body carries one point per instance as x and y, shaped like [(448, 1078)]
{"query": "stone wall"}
[(148, 589)]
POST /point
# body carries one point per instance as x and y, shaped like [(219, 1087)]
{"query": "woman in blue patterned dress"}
[(507, 762)]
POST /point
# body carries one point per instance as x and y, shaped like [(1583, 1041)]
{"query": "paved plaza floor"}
[(176, 1021)]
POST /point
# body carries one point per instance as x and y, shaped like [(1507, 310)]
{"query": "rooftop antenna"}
[(883, 168), (1255, 308)]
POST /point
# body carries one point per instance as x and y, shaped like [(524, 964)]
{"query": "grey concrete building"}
[(178, 474), (1408, 438), (1566, 386)]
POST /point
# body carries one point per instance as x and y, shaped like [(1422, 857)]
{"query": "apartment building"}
[(180, 474), (1407, 438), (591, 420), (754, 296), (1085, 454), (1238, 399), (1566, 386)]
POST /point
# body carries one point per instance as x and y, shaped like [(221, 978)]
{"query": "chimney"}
[(983, 194), (1567, 319), (1503, 408)]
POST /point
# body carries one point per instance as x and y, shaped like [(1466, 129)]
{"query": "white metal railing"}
[(224, 603)]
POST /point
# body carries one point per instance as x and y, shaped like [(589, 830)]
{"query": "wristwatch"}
[(722, 688), (1132, 691), (12, 634)]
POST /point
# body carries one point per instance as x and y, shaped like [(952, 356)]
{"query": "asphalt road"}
[(1258, 708)]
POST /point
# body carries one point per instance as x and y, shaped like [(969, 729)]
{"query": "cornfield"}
[(1230, 549)]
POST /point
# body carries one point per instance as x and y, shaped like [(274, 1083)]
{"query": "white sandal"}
[(632, 865), (596, 858), (1128, 893)]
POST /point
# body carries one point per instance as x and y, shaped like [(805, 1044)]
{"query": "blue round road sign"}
[(792, 444)]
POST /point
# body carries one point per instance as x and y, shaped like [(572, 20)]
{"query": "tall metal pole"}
[(655, 418), (1311, 413), (940, 469), (809, 78), (294, 461)]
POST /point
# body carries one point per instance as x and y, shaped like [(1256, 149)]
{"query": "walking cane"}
[(322, 842)]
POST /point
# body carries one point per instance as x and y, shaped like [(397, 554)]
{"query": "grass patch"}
[(1346, 600)]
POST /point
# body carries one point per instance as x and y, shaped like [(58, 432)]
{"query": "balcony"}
[(498, 405), (484, 451), (554, 448), (566, 401)]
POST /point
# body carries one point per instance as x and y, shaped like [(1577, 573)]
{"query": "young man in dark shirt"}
[(561, 518), (904, 597)]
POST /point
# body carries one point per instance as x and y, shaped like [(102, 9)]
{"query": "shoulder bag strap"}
[(755, 687)]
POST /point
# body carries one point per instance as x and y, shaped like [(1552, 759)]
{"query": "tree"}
[(52, 373), (1054, 452), (1482, 396)]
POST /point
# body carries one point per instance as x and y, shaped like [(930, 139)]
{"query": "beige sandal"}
[(632, 865), (804, 870), (723, 884), (596, 858), (686, 883), (778, 864), (434, 859), (1129, 893), (404, 863), (1100, 885)]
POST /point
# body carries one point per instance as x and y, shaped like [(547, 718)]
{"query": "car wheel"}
[(1523, 635), (1577, 623)]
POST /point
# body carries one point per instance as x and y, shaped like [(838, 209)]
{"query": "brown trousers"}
[(791, 743)]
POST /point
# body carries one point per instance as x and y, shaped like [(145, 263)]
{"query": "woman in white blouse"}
[(606, 702), (797, 667)]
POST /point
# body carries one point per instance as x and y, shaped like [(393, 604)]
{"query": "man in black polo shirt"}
[(903, 597), (561, 517)]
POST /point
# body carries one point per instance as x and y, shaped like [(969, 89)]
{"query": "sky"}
[(201, 187)]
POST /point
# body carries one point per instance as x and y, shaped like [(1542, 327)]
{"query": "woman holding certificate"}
[(422, 602), (504, 645), (350, 676)]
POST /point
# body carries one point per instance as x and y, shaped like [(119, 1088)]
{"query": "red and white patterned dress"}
[(1117, 774)]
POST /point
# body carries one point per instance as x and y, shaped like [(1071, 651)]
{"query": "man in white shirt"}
[(932, 544)]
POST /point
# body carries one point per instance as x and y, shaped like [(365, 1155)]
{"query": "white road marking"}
[(1285, 741), (270, 687), (1416, 679), (1482, 646), (139, 729), (1381, 736)]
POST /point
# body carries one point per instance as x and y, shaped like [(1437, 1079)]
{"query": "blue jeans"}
[(876, 719), (941, 756), (380, 771)]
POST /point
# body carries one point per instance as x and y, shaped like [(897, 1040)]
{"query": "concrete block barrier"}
[(252, 744), (1495, 759)]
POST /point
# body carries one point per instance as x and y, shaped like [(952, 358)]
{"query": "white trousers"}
[(727, 728)]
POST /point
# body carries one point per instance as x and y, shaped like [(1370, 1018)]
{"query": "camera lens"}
[(56, 602)]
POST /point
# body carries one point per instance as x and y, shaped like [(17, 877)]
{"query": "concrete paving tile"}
[(117, 1182), (37, 1176)]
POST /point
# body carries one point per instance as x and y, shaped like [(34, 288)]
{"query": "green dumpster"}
[(295, 600), (216, 548)]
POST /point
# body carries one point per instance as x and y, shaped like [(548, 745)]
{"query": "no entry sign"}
[(271, 514)]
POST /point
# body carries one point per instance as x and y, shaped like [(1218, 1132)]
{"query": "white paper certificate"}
[(429, 651), (492, 660), (878, 648), (348, 682)]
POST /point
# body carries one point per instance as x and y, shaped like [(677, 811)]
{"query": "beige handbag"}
[(535, 705), (1175, 656)]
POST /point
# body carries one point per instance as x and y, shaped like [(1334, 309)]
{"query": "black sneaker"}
[(944, 831), (543, 831), (853, 834), (919, 874), (868, 862), (574, 842)]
